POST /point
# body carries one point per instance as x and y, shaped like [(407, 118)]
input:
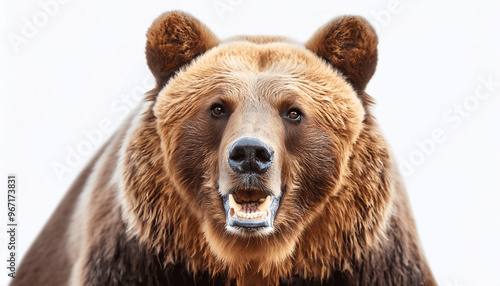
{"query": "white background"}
[(84, 64)]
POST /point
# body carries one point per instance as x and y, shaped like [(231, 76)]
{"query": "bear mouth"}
[(250, 216)]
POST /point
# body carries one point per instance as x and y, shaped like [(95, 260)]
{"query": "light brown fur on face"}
[(343, 216), (256, 93)]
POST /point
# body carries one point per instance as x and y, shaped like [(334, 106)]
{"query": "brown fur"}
[(349, 44), (174, 39), (151, 212)]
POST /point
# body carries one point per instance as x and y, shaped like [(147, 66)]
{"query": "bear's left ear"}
[(349, 44), (173, 40)]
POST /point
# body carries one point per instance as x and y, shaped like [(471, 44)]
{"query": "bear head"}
[(257, 150)]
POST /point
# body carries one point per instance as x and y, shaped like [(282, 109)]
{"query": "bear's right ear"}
[(173, 40)]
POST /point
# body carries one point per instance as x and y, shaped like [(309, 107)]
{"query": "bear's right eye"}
[(217, 110)]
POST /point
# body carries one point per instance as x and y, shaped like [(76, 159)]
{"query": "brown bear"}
[(254, 161)]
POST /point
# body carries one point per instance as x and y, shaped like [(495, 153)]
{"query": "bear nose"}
[(250, 155)]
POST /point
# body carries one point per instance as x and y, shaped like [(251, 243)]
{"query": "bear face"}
[(258, 153), (244, 92)]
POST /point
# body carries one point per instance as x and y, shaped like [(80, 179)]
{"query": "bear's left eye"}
[(217, 110), (294, 114)]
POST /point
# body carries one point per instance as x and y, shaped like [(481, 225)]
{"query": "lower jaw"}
[(237, 249), (260, 225)]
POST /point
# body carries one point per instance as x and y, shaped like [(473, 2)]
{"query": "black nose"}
[(250, 155)]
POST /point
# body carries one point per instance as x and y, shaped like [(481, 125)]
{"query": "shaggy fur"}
[(148, 209)]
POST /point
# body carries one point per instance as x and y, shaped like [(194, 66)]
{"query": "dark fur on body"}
[(147, 210)]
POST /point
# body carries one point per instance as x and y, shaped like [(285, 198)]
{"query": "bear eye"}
[(217, 110), (294, 114)]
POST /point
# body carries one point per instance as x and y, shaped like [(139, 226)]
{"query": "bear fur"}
[(149, 209)]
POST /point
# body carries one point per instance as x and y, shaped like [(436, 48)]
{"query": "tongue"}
[(252, 210)]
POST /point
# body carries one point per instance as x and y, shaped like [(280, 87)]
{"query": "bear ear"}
[(173, 40), (349, 44)]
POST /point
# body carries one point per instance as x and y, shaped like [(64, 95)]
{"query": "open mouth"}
[(250, 215)]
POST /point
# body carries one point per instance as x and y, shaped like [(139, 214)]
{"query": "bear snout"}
[(250, 156)]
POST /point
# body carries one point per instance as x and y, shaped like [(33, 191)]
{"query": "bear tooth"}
[(233, 204), (265, 205)]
